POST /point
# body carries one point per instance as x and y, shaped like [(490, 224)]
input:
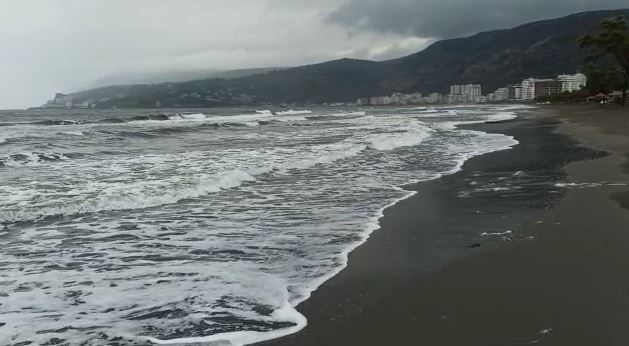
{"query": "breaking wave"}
[(209, 236), (30, 159)]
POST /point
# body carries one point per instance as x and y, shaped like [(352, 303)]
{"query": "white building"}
[(465, 93), (528, 89), (567, 83), (572, 82), (474, 92)]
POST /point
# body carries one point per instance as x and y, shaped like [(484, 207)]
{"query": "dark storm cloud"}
[(453, 18)]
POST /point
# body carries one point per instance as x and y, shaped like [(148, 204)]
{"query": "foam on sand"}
[(286, 314), (216, 239)]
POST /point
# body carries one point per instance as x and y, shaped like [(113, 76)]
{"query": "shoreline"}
[(371, 225), (357, 300)]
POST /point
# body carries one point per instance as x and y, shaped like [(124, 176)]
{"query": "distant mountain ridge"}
[(493, 59), (177, 76)]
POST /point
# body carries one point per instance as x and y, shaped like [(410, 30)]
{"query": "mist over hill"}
[(177, 76), (492, 59)]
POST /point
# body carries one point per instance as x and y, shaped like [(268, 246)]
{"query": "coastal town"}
[(528, 90)]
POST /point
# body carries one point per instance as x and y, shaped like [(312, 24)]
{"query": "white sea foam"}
[(179, 118), (146, 194), (340, 114), (286, 313), (490, 117), (73, 133), (235, 226), (515, 107), (391, 141), (505, 233), (133, 200), (193, 116), (294, 112), (590, 184)]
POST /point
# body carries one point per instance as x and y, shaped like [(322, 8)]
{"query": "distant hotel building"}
[(465, 93), (528, 90), (547, 87), (515, 92), (533, 88), (500, 95), (571, 83)]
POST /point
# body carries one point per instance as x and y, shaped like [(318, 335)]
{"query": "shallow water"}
[(208, 225)]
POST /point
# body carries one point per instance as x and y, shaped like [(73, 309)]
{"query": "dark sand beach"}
[(554, 269)]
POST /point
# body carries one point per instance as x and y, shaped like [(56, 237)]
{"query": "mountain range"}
[(177, 76), (493, 59)]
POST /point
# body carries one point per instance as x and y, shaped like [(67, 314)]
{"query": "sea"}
[(205, 225)]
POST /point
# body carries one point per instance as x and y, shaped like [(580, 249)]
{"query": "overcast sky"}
[(65, 45)]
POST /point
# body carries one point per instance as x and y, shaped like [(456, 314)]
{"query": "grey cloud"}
[(454, 18), (48, 47)]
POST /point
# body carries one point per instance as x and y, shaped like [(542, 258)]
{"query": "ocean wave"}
[(57, 122), (178, 117), (336, 116), (153, 117), (149, 293), (146, 195), (30, 159), (133, 200), (219, 125), (15, 133), (489, 118)]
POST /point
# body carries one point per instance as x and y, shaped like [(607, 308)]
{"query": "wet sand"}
[(561, 277)]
